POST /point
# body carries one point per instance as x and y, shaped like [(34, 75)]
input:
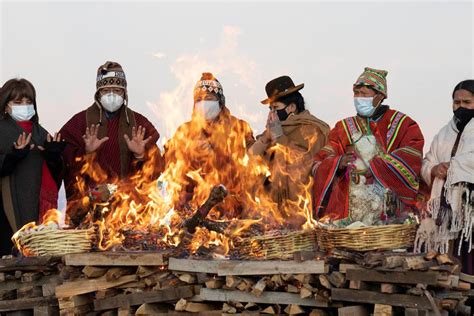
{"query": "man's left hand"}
[(138, 142)]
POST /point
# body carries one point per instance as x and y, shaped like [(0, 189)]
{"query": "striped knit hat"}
[(374, 78), (111, 75), (208, 84)]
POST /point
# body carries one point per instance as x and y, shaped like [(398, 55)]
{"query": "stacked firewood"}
[(338, 283), (27, 285)]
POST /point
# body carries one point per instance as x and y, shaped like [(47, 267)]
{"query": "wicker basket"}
[(276, 245), (56, 242), (367, 238)]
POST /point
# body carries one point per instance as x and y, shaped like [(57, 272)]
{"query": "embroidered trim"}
[(410, 151), (351, 127), (328, 184), (347, 131), (409, 177), (394, 127)]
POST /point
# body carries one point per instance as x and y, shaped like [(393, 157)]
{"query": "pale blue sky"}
[(427, 47)]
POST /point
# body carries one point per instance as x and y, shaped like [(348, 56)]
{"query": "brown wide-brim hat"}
[(280, 87)]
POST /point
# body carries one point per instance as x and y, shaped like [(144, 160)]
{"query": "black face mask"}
[(282, 114), (463, 116)]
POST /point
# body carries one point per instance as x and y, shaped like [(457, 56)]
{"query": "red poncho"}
[(396, 168), (109, 155)]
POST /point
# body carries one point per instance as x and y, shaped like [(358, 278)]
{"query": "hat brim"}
[(282, 94)]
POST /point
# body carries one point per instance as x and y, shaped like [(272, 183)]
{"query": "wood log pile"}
[(153, 283), (28, 284)]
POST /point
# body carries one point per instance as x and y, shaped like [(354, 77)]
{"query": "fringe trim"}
[(456, 221)]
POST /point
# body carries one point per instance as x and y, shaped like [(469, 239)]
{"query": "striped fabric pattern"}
[(374, 78)]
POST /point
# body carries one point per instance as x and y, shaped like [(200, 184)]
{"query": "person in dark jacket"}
[(30, 161)]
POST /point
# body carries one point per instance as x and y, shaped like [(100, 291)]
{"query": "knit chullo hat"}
[(373, 78), (111, 75), (208, 84)]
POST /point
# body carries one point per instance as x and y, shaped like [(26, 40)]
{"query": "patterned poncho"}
[(396, 167)]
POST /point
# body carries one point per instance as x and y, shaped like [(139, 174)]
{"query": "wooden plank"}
[(19, 263), (13, 285), (45, 310), (402, 277), (271, 267), (265, 298), (189, 265), (206, 313), (116, 259), (234, 267), (466, 278), (369, 297), (90, 285), (25, 303), (170, 294), (352, 311), (343, 267), (29, 292)]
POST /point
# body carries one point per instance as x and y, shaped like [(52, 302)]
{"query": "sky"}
[(426, 47)]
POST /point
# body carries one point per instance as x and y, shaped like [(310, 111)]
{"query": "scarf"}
[(452, 200)]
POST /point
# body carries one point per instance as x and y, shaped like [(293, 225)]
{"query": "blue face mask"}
[(364, 106)]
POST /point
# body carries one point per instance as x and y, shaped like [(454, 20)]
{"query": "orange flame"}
[(198, 157)]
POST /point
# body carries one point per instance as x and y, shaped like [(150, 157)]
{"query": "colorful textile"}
[(396, 167), (373, 78)]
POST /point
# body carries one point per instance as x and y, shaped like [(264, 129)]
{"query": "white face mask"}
[(207, 109), (111, 101), (364, 106), (22, 112)]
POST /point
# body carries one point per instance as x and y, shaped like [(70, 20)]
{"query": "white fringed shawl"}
[(459, 219)]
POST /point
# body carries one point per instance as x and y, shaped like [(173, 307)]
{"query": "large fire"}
[(147, 211)]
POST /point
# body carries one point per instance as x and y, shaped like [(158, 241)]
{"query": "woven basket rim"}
[(380, 227)]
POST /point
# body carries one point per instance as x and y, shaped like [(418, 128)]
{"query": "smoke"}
[(225, 61)]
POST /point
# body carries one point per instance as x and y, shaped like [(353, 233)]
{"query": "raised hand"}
[(274, 126), (50, 139), (23, 141), (138, 142), (53, 146), (91, 140)]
